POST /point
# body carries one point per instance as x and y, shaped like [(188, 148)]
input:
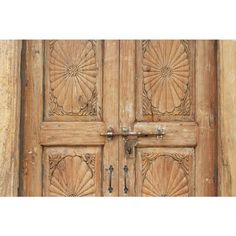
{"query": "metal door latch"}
[(110, 134), (160, 132)]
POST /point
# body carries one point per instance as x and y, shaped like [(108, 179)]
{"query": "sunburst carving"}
[(73, 74), (165, 174), (72, 175), (166, 77)]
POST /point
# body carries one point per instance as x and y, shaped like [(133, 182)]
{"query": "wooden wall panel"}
[(227, 118), (10, 55)]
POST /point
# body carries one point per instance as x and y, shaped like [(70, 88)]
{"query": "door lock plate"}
[(130, 145)]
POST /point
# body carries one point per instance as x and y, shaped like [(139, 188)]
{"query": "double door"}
[(118, 118)]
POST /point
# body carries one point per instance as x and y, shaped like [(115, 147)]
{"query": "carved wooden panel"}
[(166, 171), (166, 74), (73, 80), (72, 171)]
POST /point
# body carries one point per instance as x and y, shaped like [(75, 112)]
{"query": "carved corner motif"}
[(56, 159), (166, 78), (51, 44), (87, 109), (89, 159), (73, 74)]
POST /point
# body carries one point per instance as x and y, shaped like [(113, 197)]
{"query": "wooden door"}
[(170, 86), (74, 91), (70, 96)]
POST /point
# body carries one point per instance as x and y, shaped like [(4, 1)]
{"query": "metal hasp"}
[(125, 179), (129, 145), (110, 133), (110, 189)]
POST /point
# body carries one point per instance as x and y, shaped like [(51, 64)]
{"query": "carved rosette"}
[(72, 175), (166, 77), (165, 174), (73, 74)]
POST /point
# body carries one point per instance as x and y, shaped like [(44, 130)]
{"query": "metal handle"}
[(110, 189), (125, 180)]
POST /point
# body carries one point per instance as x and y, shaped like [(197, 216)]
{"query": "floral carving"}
[(166, 77), (73, 74), (72, 175), (165, 174)]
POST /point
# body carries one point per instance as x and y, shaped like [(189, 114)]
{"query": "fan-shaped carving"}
[(72, 175), (73, 73), (166, 72), (165, 174)]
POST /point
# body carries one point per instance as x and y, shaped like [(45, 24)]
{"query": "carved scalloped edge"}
[(148, 158), (55, 159), (90, 109), (184, 108), (52, 43)]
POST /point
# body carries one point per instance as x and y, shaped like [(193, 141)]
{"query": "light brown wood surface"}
[(10, 57), (127, 111), (63, 111), (75, 90), (111, 115), (227, 117), (175, 90), (206, 117)]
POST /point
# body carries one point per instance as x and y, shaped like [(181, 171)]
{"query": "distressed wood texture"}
[(32, 89), (63, 116), (227, 117), (206, 118), (166, 80), (175, 90), (127, 111), (73, 80), (72, 172), (165, 172), (10, 57), (111, 114), (76, 90)]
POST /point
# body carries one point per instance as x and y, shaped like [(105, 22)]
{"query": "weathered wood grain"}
[(227, 118), (176, 134), (10, 57), (127, 112), (145, 85), (206, 117), (111, 114), (69, 133), (33, 116), (71, 79)]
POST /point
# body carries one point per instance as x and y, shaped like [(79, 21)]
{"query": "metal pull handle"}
[(126, 176), (110, 189)]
